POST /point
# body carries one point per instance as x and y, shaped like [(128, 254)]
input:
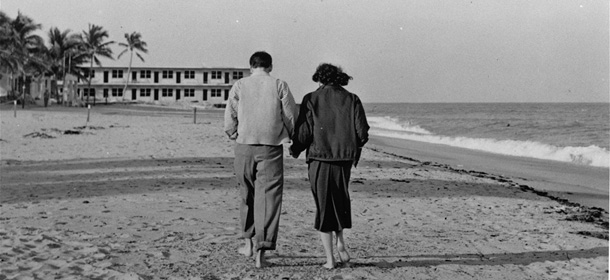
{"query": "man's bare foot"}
[(329, 265), (260, 259), (246, 250)]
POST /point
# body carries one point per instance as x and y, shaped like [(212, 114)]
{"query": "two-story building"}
[(161, 84)]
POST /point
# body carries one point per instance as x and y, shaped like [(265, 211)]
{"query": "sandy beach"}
[(147, 192)]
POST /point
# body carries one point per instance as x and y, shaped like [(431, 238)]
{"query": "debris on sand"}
[(38, 135)]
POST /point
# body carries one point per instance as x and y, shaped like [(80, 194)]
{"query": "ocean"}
[(577, 133)]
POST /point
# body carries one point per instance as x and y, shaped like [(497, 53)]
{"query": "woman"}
[(332, 127)]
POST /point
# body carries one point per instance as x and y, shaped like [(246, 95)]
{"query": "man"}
[(260, 116)]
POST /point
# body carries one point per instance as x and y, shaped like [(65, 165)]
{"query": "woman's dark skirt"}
[(329, 185)]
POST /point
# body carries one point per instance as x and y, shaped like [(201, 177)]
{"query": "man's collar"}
[(258, 71)]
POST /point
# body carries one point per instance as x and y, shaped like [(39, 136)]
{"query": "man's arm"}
[(230, 125), (288, 108)]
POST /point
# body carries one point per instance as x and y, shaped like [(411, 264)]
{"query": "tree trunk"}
[(53, 89), (63, 83), (12, 86), (128, 74), (89, 81), (23, 91)]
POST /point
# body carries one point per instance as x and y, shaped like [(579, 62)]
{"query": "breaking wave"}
[(591, 155)]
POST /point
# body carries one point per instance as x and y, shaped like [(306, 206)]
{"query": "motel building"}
[(160, 84)]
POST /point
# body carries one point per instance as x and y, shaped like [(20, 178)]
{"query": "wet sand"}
[(580, 184)]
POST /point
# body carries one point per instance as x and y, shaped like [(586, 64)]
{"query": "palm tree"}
[(21, 48), (8, 62), (94, 45), (62, 46), (134, 44), (8, 45), (41, 65)]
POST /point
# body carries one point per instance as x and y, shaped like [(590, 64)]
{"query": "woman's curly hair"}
[(329, 74)]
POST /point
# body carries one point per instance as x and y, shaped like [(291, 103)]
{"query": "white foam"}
[(591, 155), (393, 124)]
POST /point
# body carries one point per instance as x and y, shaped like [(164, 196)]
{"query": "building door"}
[(205, 94), (156, 77), (105, 76), (226, 94), (177, 94), (156, 94), (227, 78), (134, 76), (177, 77), (205, 77), (134, 95)]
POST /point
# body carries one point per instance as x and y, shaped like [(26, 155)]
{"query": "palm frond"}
[(140, 56), (122, 52)]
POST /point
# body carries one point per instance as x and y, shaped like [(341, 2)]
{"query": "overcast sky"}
[(396, 50)]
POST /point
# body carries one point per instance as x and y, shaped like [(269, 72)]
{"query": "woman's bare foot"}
[(246, 250), (260, 259), (343, 254)]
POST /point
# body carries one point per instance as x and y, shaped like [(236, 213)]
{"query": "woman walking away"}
[(332, 127)]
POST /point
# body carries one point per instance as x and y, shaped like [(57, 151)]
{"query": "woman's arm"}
[(361, 124), (303, 134)]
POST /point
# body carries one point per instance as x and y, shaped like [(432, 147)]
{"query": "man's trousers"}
[(260, 173)]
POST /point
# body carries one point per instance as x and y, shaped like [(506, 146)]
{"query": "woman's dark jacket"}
[(331, 125)]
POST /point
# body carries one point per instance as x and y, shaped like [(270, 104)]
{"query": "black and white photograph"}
[(297, 140)]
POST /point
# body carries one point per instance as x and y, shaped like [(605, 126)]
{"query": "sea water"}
[(578, 133)]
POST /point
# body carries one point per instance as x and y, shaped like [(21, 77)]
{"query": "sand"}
[(577, 183), (142, 192)]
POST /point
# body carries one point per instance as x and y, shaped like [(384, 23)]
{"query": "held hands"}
[(293, 151), (293, 154)]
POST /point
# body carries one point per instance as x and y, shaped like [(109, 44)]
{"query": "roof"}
[(137, 64)]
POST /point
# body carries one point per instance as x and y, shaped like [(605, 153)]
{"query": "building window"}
[(167, 75), (216, 74), (145, 92), (87, 72), (145, 74), (167, 92), (189, 92), (89, 92), (189, 74), (237, 75), (117, 73), (216, 93), (117, 92)]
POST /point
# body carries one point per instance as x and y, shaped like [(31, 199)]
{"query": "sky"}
[(395, 50)]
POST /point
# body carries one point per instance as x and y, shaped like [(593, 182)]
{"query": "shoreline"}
[(585, 185)]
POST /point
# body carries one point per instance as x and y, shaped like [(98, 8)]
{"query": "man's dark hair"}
[(260, 59)]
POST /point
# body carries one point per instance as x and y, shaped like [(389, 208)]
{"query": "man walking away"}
[(260, 117)]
